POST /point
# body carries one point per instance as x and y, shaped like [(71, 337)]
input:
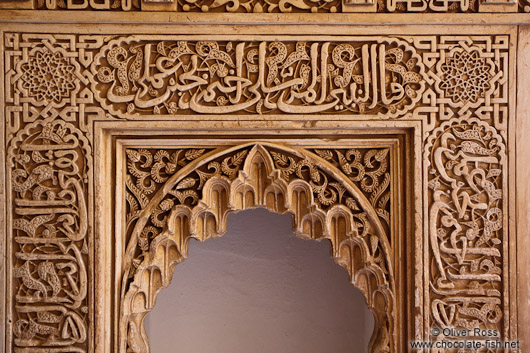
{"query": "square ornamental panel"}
[(126, 134)]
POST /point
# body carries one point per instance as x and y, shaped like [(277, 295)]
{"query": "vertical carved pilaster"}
[(466, 166), (49, 178)]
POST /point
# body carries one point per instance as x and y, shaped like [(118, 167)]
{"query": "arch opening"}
[(259, 289)]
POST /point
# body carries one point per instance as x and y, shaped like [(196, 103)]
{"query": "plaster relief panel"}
[(121, 148), (196, 205), (370, 77), (50, 181)]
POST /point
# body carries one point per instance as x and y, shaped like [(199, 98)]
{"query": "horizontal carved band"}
[(368, 77), (382, 77), (288, 6)]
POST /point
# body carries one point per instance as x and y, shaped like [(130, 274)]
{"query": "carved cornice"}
[(143, 21)]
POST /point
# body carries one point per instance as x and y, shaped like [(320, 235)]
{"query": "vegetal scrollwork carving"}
[(258, 6), (148, 171), (195, 203), (369, 170)]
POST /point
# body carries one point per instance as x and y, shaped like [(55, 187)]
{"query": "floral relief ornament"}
[(48, 77), (466, 78)]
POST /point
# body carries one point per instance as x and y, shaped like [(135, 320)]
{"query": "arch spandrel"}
[(276, 177)]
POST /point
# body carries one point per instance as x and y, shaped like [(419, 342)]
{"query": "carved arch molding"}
[(122, 142)]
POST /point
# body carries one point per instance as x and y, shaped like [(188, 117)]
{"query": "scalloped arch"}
[(282, 179)]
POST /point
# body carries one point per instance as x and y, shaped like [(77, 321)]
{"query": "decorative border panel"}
[(279, 6), (451, 92)]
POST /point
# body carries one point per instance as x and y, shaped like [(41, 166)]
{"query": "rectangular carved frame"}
[(453, 161), (393, 141)]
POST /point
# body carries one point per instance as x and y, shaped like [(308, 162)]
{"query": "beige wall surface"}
[(259, 289)]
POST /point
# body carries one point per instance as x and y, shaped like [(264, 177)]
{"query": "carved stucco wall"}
[(72, 94)]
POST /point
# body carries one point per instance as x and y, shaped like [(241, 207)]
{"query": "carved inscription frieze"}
[(431, 77), (50, 161), (466, 160), (57, 85), (383, 77), (291, 6)]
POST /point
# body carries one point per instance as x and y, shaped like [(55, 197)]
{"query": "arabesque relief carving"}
[(369, 170), (455, 88), (50, 172), (369, 77), (258, 6), (379, 77), (195, 202)]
